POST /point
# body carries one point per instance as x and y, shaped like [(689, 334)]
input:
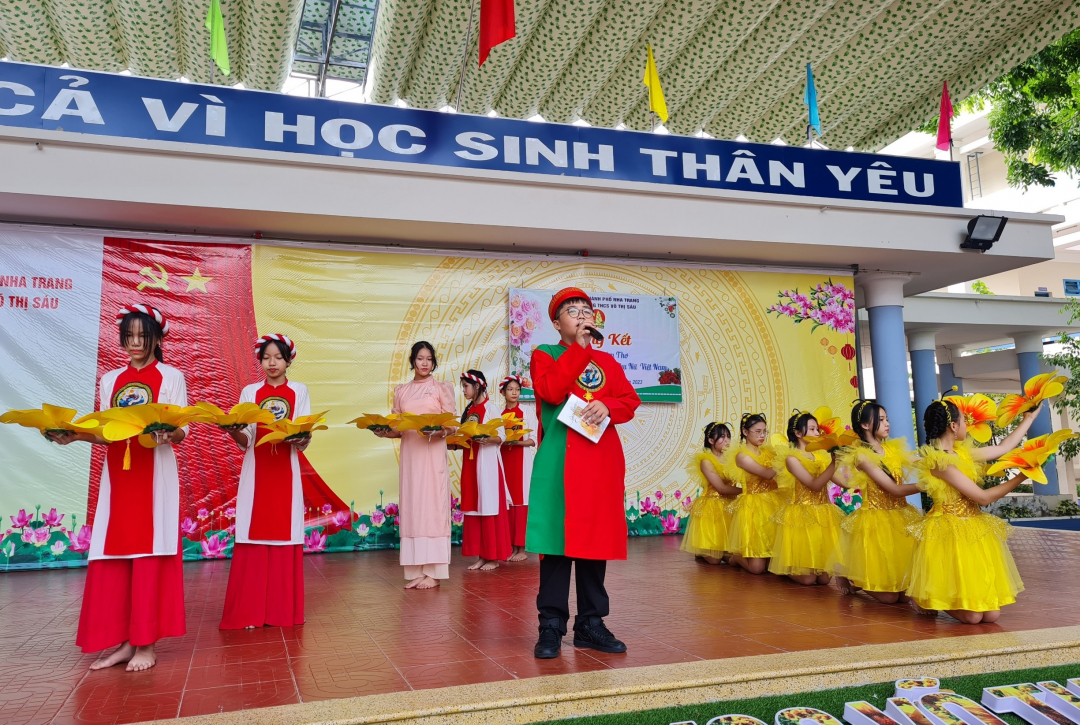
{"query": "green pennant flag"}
[(219, 46)]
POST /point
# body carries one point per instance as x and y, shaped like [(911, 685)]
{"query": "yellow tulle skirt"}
[(875, 548), (963, 562), (807, 536), (707, 530), (752, 531)]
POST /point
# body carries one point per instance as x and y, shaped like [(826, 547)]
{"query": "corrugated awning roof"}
[(728, 67)]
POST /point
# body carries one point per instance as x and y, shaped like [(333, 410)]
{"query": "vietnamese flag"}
[(496, 25)]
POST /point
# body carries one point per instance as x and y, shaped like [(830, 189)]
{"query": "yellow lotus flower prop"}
[(1030, 457), (376, 423), (140, 421), (833, 434), (49, 419), (427, 423), (1039, 388), (473, 431), (286, 430), (979, 413), (516, 434), (239, 415)]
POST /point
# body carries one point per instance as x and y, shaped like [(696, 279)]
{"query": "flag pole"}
[(465, 58)]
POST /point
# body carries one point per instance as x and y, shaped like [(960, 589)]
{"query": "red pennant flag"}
[(944, 124), (496, 25)]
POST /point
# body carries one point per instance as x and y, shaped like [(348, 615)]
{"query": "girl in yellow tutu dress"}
[(707, 531), (749, 466), (875, 546), (962, 564), (808, 526)]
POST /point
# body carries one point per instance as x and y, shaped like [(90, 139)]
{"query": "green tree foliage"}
[(1034, 114), (980, 288), (1068, 360)]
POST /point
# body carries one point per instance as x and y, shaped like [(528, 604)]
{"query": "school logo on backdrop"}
[(133, 394), (278, 406)]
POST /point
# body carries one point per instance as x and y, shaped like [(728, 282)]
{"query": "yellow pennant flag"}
[(652, 81)]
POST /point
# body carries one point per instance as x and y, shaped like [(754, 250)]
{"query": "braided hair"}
[(748, 421), (476, 375), (866, 412), (714, 432), (798, 424), (938, 417)]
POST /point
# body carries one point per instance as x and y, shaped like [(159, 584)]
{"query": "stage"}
[(365, 635)]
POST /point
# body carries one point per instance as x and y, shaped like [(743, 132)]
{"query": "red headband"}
[(568, 293), (146, 310), (511, 379), (279, 338), (475, 380)]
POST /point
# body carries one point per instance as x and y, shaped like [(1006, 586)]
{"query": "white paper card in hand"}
[(570, 416)]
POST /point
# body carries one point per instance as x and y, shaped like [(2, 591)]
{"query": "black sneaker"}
[(549, 644), (595, 635)]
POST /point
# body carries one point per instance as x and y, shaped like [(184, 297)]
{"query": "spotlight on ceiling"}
[(983, 231)]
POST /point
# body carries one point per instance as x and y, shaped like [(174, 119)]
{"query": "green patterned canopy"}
[(728, 67)]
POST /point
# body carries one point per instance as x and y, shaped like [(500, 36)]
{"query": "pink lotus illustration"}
[(39, 537), (203, 514), (214, 548), (688, 502), (391, 509), (395, 521), (648, 507), (341, 519), (8, 550), (678, 494), (327, 509), (659, 495), (80, 542), (378, 518), (315, 541), (454, 501), (231, 530), (187, 526), (52, 518), (230, 513), (846, 497), (22, 520), (362, 531), (671, 524), (457, 517), (58, 548)]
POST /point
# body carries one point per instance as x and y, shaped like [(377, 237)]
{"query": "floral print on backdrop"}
[(827, 305), (36, 540), (526, 316)]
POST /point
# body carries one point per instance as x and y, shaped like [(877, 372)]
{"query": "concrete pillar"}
[(924, 380), (883, 297), (946, 377), (1029, 347)]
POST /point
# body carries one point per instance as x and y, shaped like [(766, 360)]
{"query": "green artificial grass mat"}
[(831, 701)]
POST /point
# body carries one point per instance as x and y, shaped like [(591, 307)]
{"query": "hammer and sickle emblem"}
[(155, 282)]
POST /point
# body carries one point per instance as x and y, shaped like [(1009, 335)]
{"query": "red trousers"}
[(488, 536), (132, 600), (266, 586), (519, 519)]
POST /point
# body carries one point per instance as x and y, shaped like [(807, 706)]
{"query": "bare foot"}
[(489, 566), (250, 626), (428, 583), (123, 653), (144, 659), (844, 585), (416, 582), (479, 563), (518, 555)]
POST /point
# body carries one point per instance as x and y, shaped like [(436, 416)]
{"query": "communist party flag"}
[(496, 25), (205, 291)]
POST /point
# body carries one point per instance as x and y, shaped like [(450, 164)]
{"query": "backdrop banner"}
[(640, 331), (738, 341)]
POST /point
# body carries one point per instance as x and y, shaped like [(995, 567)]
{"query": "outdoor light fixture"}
[(983, 231)]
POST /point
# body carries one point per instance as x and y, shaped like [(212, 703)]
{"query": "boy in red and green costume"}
[(576, 498)]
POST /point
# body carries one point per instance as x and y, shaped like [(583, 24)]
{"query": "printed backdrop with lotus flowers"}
[(354, 315)]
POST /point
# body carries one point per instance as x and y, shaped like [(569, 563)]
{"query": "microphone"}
[(596, 334)]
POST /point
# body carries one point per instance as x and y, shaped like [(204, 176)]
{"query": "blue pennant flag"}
[(810, 99)]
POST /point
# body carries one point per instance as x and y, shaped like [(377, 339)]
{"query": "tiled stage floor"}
[(365, 635)]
